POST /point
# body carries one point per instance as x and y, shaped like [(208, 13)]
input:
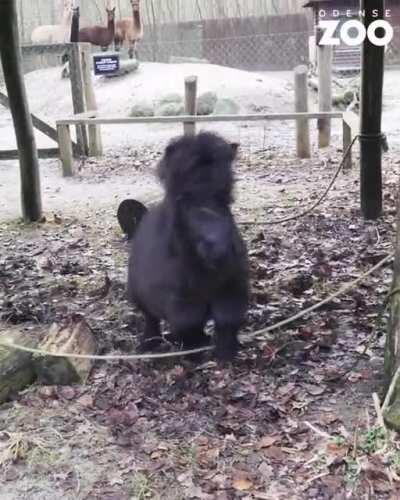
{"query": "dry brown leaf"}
[(242, 484), (267, 441)]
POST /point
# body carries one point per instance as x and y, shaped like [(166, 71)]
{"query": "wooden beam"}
[(84, 119), (189, 128), (301, 105), (95, 144), (44, 153), (324, 90), (351, 128), (78, 96), (13, 75), (64, 143), (373, 58), (39, 124)]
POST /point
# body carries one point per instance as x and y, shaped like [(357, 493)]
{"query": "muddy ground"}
[(292, 418)]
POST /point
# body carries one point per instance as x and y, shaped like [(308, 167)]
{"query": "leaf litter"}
[(273, 425)]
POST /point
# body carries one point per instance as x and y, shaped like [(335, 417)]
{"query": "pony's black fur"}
[(188, 263), (129, 214)]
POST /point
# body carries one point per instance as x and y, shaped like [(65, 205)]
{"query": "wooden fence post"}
[(65, 145), (95, 145), (324, 90), (12, 67), (78, 96), (301, 103), (189, 128), (372, 70), (347, 138)]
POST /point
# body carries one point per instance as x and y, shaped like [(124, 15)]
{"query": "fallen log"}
[(75, 337), (16, 367), (125, 66)]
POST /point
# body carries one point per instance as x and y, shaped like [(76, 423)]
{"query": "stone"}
[(226, 106), (140, 110), (206, 103)]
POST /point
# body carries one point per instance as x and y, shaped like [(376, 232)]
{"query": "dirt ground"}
[(292, 418)]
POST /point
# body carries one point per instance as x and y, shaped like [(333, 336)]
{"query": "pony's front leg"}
[(228, 312)]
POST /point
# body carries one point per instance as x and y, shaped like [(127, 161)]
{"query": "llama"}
[(99, 35), (58, 33), (129, 30), (188, 262)]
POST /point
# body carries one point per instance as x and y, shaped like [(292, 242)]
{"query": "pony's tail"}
[(129, 215)]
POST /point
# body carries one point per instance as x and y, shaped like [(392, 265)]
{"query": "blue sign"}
[(106, 64)]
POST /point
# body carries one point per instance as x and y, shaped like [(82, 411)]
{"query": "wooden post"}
[(12, 68), (347, 138), (189, 128), (65, 145), (95, 145), (371, 115), (78, 96), (301, 103), (324, 90)]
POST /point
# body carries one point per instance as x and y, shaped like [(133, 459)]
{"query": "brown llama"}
[(99, 35), (129, 30)]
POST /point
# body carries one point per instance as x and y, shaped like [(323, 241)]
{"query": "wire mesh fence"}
[(278, 51)]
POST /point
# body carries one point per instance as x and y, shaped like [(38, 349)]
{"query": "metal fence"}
[(393, 52), (278, 51)]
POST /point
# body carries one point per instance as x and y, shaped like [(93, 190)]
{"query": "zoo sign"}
[(329, 38)]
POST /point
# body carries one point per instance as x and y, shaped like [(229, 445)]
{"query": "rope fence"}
[(246, 337)]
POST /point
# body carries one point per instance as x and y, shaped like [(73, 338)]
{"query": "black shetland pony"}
[(188, 263)]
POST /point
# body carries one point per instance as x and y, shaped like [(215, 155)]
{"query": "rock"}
[(189, 60), (125, 66), (170, 109), (171, 98), (140, 110), (226, 107), (206, 103)]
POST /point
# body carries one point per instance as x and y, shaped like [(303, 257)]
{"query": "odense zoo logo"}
[(353, 32)]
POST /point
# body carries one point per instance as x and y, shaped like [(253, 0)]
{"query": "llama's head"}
[(197, 174), (135, 5), (110, 14), (67, 5)]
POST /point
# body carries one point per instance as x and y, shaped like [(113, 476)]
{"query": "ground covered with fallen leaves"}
[(292, 418)]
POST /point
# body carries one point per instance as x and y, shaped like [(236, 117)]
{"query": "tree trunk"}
[(392, 347), (75, 337), (16, 367), (12, 68)]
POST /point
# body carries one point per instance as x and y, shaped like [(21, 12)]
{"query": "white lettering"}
[(350, 40), (328, 37), (388, 36)]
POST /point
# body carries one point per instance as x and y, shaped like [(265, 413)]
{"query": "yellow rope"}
[(245, 337)]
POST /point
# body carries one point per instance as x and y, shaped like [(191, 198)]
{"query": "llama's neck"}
[(110, 24), (137, 22), (67, 17)]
